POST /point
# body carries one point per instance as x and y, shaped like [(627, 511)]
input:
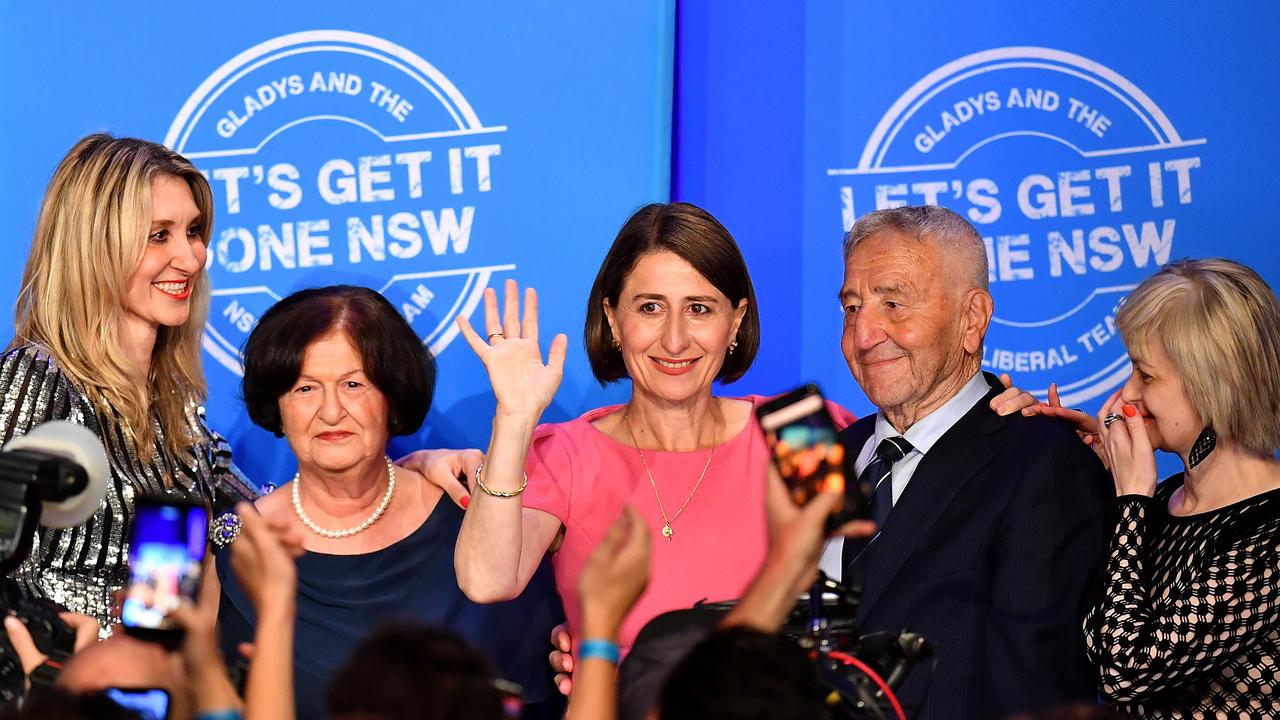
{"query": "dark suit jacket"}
[(994, 551)]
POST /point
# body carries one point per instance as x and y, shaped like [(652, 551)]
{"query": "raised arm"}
[(501, 542)]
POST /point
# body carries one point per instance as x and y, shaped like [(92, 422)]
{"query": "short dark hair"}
[(410, 670), (743, 674), (700, 240), (393, 356)]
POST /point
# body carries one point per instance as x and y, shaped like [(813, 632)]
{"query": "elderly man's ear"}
[(978, 307)]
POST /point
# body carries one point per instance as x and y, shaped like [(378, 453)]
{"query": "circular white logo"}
[(337, 156), (1076, 179)]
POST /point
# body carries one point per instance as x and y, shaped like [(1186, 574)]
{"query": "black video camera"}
[(53, 476), (861, 672), (52, 636)]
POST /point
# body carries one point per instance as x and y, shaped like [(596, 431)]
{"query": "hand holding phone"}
[(166, 552), (808, 452)]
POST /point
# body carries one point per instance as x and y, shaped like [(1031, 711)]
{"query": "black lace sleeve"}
[(1217, 594)]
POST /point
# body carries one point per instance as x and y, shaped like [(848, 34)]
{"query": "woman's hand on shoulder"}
[(522, 382), (1085, 425), (449, 470), (1012, 399)]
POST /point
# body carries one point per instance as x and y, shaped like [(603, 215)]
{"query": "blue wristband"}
[(599, 649)]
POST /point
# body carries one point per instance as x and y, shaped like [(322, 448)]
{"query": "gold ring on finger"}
[(494, 335)]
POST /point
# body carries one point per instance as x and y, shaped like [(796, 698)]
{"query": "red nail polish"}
[(1130, 410), (464, 501)]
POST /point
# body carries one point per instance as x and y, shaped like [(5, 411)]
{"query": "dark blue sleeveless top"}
[(342, 598)]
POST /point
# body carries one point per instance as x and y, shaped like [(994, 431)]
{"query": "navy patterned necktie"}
[(878, 475)]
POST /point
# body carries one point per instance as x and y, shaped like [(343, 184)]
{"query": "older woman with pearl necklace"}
[(337, 372)]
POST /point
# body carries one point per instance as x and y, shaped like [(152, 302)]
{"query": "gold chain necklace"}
[(667, 530)]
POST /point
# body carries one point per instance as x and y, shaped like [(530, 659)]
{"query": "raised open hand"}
[(521, 382)]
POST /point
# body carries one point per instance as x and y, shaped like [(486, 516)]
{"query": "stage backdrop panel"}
[(427, 150), (1088, 142)]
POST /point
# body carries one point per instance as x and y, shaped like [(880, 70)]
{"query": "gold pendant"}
[(667, 532)]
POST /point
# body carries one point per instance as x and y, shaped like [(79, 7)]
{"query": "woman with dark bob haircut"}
[(337, 371), (673, 309)]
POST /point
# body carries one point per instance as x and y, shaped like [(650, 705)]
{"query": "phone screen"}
[(807, 449), (164, 562), (148, 703)]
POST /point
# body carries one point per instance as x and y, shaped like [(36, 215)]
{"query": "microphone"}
[(65, 501), (56, 476), (896, 652), (913, 648)]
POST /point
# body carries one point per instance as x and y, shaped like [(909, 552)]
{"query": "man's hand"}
[(562, 658), (85, 627), (206, 679)]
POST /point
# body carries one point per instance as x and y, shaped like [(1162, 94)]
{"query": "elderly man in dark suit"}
[(993, 529)]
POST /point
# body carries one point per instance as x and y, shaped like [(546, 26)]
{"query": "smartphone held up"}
[(166, 555), (808, 452)]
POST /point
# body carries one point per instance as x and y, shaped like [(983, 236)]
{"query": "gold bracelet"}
[(499, 493)]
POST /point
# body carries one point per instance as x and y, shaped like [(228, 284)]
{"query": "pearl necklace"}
[(339, 534)]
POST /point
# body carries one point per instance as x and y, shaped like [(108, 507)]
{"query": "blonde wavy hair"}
[(90, 237), (1219, 323)]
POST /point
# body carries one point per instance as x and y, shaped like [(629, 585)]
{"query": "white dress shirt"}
[(923, 435)]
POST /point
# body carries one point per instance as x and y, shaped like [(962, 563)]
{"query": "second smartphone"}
[(166, 555)]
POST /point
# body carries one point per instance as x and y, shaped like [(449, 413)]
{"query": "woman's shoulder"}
[(577, 431), (33, 366), (277, 504), (34, 389), (31, 357)]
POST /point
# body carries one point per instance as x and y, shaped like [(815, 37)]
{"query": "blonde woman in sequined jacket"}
[(107, 335)]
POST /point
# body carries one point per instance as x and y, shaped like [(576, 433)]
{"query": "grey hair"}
[(953, 234)]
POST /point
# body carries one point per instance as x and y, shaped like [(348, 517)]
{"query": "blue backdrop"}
[(1089, 143), (430, 151), (423, 149)]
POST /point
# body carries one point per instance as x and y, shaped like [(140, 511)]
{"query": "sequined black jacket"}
[(81, 568)]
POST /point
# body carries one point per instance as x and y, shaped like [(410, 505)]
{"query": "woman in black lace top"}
[(1189, 622)]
